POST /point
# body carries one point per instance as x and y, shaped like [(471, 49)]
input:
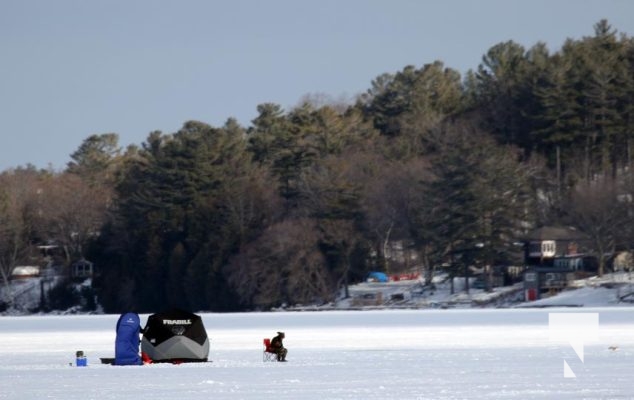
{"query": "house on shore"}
[(553, 257)]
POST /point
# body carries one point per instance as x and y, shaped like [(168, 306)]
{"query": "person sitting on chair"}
[(278, 347)]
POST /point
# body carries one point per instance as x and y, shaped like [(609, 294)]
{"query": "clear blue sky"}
[(72, 68)]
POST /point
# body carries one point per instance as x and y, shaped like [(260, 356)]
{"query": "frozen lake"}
[(414, 354)]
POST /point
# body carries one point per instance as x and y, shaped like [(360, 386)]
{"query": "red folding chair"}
[(269, 354)]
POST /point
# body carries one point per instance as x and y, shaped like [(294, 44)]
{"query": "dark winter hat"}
[(281, 333)]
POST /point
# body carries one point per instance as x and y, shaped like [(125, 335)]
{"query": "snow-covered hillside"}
[(615, 289), (610, 290), (22, 296)]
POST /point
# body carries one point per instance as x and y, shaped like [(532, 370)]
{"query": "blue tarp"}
[(377, 277), (126, 346)]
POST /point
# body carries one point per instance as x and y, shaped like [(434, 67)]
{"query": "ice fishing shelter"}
[(175, 336), (126, 345)]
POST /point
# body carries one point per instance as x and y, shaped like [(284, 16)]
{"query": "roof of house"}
[(555, 233), (25, 270)]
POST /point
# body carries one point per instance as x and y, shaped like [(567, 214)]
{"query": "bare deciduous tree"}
[(283, 266), (71, 211), (18, 191), (597, 210)]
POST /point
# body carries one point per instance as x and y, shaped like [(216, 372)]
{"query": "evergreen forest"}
[(304, 202)]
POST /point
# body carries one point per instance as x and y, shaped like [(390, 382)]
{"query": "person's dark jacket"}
[(276, 343)]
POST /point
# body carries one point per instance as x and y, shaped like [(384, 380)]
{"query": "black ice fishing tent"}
[(175, 336)]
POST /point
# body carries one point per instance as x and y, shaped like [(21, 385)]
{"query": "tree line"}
[(301, 203)]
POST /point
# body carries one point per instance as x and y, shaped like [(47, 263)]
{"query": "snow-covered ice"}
[(387, 354)]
